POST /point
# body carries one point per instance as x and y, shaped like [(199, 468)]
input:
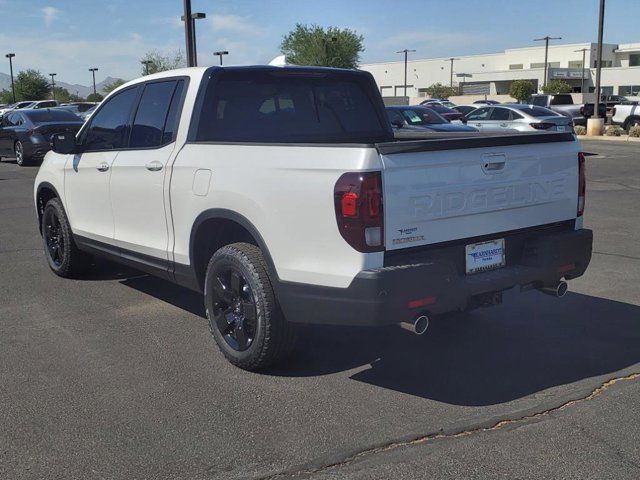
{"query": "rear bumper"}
[(381, 296)]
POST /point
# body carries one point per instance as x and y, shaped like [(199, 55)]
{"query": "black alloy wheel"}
[(54, 237)]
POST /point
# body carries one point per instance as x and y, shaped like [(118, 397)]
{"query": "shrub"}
[(613, 131), (580, 130), (634, 131)]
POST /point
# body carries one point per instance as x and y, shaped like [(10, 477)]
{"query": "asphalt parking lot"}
[(116, 376)]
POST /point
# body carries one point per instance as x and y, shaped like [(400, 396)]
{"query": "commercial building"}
[(492, 74)]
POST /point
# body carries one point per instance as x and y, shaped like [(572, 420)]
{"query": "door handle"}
[(103, 167), (503, 124), (154, 166)]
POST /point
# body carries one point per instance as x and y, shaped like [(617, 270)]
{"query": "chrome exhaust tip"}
[(559, 291), (419, 325)]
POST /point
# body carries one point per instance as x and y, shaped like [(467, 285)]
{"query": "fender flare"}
[(40, 208)]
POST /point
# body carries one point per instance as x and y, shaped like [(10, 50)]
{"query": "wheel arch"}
[(216, 227), (630, 118), (45, 192)]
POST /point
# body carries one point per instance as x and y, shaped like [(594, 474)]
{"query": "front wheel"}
[(244, 316), (62, 254)]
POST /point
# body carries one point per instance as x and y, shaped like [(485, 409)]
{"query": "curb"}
[(624, 138)]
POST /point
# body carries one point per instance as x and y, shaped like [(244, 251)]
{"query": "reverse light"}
[(582, 183), (359, 210)]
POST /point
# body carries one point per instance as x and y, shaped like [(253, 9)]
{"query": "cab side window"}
[(479, 114), (152, 115), (110, 125)]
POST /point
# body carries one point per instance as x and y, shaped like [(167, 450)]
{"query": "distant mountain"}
[(82, 90)]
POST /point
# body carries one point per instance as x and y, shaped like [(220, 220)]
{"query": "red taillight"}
[(582, 183), (542, 126), (359, 213)]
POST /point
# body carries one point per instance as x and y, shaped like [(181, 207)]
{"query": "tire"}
[(63, 256), (631, 122), (244, 317), (21, 159)]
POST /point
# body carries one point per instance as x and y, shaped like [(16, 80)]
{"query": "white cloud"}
[(50, 15), (233, 24)]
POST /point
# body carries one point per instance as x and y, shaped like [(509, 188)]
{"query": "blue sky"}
[(69, 36)]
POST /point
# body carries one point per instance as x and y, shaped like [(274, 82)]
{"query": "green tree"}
[(94, 97), (556, 86), (161, 63), (437, 90), (62, 95), (521, 90), (315, 45), (110, 87), (31, 85), (6, 96)]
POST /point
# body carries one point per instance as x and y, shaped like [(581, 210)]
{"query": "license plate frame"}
[(485, 256)]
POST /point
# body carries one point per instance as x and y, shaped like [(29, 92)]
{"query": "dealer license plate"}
[(484, 256)]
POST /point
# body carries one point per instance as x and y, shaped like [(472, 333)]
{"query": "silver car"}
[(518, 118)]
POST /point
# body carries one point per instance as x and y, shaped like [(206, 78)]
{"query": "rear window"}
[(44, 116), (562, 100), (540, 112), (250, 106), (539, 101)]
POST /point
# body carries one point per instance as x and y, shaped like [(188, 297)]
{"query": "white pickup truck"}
[(281, 195), (627, 115)]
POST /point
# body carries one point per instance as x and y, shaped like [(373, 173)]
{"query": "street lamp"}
[(188, 33), (596, 113), (583, 50), (220, 53), (194, 17), (53, 85), (451, 71), (93, 72), (546, 52), (406, 52), (146, 64), (13, 88)]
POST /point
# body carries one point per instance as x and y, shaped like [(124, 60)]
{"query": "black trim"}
[(146, 263), (472, 140), (40, 208), (276, 144), (381, 296)]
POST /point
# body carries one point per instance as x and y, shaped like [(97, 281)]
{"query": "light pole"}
[(13, 88), (546, 53), (406, 52), (583, 50), (188, 34), (220, 53), (194, 17), (596, 113), (53, 85), (451, 71), (146, 64), (93, 72)]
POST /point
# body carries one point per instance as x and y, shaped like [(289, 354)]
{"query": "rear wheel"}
[(63, 256), (21, 158), (632, 122), (244, 317)]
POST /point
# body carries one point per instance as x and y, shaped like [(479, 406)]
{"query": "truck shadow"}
[(486, 357)]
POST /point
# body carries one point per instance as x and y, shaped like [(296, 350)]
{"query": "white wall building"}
[(492, 74)]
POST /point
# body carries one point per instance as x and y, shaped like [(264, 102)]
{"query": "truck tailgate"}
[(445, 189)]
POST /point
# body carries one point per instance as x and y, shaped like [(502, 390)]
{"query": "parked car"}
[(626, 115), (562, 103), (87, 113), (446, 112), (465, 109), (422, 118), (521, 118), (444, 103), (15, 106), (78, 107), (44, 104), (281, 195), (486, 102), (25, 133)]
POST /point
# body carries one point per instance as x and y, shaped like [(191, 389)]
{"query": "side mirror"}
[(64, 143)]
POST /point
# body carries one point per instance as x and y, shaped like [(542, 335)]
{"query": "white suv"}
[(281, 194)]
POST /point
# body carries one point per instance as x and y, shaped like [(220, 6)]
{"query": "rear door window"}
[(499, 114), (251, 106), (148, 125)]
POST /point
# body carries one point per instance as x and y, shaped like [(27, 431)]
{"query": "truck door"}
[(139, 174)]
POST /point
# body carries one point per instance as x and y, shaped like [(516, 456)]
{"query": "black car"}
[(78, 107), (25, 134)]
